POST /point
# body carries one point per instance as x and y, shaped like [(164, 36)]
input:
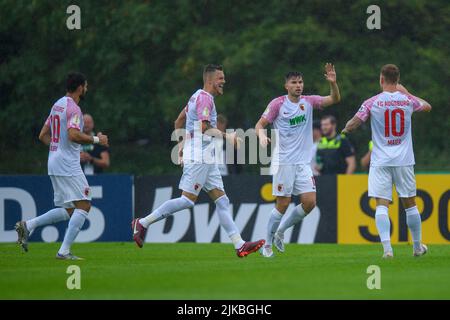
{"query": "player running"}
[(292, 116), (200, 171), (63, 133), (392, 159)]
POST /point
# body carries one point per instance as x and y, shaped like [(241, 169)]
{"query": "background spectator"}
[(94, 158), (335, 154)]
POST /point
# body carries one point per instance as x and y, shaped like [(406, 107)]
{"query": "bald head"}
[(88, 123)]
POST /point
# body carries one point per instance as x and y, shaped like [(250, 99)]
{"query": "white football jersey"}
[(294, 124), (390, 119), (64, 155), (198, 147)]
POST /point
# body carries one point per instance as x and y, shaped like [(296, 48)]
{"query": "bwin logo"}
[(202, 227)]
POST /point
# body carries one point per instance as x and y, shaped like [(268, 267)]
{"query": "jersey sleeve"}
[(416, 104), (364, 111), (272, 110), (315, 101), (74, 116), (204, 106)]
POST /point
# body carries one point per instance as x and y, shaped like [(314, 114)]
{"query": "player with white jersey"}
[(200, 167), (62, 132), (292, 116), (392, 160)]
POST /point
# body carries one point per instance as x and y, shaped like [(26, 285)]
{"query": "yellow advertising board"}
[(356, 212)]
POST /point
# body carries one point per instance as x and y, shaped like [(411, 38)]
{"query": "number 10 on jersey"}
[(390, 123), (56, 127)]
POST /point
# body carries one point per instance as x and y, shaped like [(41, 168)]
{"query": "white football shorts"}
[(292, 180), (70, 188), (381, 180), (198, 176)]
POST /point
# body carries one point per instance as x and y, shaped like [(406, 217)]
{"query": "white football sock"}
[(293, 217), (75, 224), (166, 209), (272, 226), (414, 223), (226, 221), (50, 217), (383, 227)]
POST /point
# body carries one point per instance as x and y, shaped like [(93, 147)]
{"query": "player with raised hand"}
[(63, 133), (392, 160), (292, 116), (200, 170)]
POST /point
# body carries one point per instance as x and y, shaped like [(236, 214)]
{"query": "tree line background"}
[(144, 59)]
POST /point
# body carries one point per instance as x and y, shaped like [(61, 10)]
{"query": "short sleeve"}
[(204, 106), (273, 109), (74, 115), (315, 101)]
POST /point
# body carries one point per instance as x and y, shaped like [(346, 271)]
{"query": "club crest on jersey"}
[(87, 190), (280, 187), (302, 107), (196, 186), (205, 112)]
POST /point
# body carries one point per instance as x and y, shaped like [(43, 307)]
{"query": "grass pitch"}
[(212, 271)]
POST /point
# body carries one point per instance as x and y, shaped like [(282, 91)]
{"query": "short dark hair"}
[(391, 73), (74, 80), (329, 117), (292, 74)]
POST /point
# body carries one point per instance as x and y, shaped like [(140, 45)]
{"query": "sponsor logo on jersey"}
[(205, 112), (297, 120)]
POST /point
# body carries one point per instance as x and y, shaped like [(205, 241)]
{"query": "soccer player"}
[(199, 171), (392, 159), (62, 132), (292, 116)]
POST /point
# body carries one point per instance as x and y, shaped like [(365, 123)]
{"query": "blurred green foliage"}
[(144, 59)]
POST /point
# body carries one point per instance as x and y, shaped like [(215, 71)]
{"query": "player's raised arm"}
[(259, 130), (330, 76), (425, 106), (352, 124)]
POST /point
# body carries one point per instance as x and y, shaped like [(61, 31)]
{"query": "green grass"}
[(212, 271)]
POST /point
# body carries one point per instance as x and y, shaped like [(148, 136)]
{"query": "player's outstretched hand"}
[(103, 139), (330, 73)]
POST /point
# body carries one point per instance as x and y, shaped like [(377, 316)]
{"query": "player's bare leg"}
[(414, 223), (77, 219), (243, 248), (140, 226), (25, 228), (384, 226), (307, 204)]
